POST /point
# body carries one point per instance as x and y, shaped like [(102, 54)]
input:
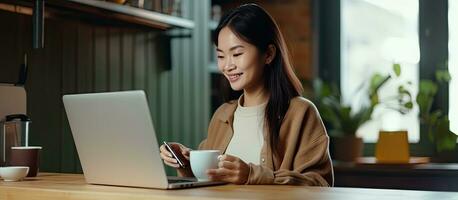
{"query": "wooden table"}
[(72, 186)]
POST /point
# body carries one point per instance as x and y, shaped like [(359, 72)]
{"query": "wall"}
[(294, 18), (82, 56)]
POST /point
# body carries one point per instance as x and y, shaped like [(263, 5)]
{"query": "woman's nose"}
[(229, 64), (229, 67)]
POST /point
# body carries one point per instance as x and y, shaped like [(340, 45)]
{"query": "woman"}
[(270, 135)]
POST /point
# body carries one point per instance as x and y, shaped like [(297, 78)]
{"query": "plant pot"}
[(347, 148), (392, 147)]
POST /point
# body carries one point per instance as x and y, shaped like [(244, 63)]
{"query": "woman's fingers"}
[(227, 165), (165, 151), (169, 161), (167, 157), (230, 169), (220, 172), (218, 178), (186, 152), (227, 157), (178, 149), (172, 165)]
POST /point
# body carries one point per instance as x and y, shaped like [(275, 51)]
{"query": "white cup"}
[(203, 160)]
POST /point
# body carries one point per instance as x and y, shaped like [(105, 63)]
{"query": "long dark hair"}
[(254, 25)]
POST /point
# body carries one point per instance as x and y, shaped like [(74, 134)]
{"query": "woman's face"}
[(239, 61)]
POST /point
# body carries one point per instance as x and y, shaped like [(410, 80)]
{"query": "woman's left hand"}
[(230, 169)]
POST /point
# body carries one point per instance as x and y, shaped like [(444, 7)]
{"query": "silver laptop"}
[(116, 141)]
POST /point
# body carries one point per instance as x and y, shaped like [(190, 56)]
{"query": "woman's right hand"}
[(172, 162)]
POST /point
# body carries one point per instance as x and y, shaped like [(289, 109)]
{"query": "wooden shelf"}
[(153, 17), (107, 10)]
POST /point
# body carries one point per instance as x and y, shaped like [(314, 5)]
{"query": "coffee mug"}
[(25, 156), (203, 160)]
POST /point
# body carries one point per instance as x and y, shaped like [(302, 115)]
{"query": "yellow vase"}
[(392, 147)]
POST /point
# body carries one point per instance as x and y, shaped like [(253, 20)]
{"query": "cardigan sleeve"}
[(306, 160), (315, 171)]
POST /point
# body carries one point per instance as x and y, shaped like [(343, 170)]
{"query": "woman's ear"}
[(270, 53)]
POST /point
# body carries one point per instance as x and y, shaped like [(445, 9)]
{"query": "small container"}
[(13, 173), (392, 147), (26, 156), (14, 132)]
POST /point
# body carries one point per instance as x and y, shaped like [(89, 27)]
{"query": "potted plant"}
[(436, 122), (343, 121)]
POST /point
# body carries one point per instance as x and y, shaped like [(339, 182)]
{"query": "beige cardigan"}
[(303, 144)]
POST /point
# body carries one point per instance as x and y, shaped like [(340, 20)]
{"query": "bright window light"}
[(375, 34)]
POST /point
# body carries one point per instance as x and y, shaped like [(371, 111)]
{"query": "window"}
[(453, 64), (375, 35)]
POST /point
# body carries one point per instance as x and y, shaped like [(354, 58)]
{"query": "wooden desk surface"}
[(72, 186)]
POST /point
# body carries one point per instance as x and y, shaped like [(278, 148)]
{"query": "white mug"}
[(201, 161)]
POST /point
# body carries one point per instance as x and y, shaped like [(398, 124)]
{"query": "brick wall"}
[(294, 17)]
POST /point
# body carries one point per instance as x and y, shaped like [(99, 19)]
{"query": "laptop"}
[(116, 141)]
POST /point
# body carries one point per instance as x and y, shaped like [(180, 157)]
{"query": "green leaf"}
[(428, 87), (377, 81), (401, 89), (374, 99), (425, 96), (408, 105), (444, 139), (443, 76), (397, 69), (435, 117)]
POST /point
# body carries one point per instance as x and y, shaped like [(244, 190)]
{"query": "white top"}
[(247, 141)]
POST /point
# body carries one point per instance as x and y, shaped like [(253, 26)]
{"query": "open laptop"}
[(116, 141)]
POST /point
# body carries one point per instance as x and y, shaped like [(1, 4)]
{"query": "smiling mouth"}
[(234, 77)]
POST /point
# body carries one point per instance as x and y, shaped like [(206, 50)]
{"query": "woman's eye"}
[(220, 57), (237, 54)]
